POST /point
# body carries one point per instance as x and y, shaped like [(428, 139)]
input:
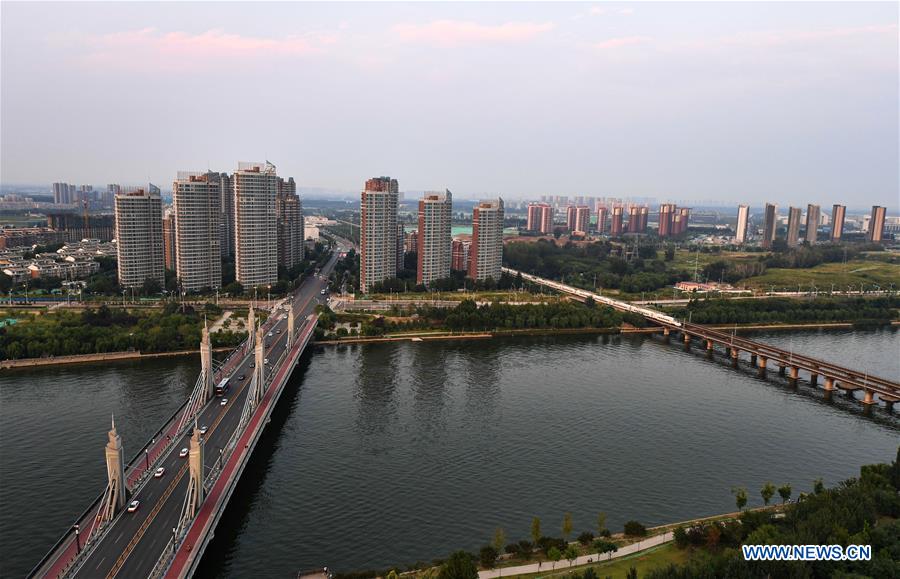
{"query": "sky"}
[(735, 102)]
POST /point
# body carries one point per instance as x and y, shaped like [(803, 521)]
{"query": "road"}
[(133, 543)]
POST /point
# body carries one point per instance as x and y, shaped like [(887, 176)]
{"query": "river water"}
[(383, 454)]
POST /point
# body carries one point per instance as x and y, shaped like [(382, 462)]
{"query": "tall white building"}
[(255, 224), (378, 232), (433, 240), (486, 251), (743, 221), (198, 235), (139, 238)]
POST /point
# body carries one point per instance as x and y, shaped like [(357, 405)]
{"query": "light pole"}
[(147, 457), (77, 539)]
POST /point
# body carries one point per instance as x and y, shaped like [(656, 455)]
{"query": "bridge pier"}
[(753, 358), (781, 369), (735, 353), (813, 378), (709, 348), (869, 397), (761, 369), (795, 373), (687, 341)]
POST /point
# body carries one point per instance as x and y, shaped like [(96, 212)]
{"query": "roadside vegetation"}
[(101, 330), (864, 311)]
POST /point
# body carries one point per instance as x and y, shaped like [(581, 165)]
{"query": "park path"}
[(548, 566), (217, 325)]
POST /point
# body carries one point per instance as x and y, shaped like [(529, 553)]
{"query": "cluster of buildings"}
[(810, 223), (610, 218), (383, 241), (68, 194), (252, 214), (71, 262)]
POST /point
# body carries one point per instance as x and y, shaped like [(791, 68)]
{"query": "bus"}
[(222, 387)]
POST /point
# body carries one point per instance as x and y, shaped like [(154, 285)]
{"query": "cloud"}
[(151, 47), (613, 43), (456, 32)]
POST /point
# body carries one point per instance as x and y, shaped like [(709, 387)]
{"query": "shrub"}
[(585, 538), (635, 529), (487, 556)]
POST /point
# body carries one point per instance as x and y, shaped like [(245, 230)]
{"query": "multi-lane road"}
[(133, 543)]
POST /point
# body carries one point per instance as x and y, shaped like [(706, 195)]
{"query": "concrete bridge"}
[(202, 450), (873, 389)]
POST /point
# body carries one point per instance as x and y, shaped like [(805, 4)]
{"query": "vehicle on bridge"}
[(159, 472), (222, 387), (133, 506), (183, 453)]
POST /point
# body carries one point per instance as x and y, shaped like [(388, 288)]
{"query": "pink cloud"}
[(620, 42), (150, 46), (456, 32)]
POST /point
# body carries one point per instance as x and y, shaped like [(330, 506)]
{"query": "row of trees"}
[(859, 511), (468, 316), (64, 333), (824, 309)]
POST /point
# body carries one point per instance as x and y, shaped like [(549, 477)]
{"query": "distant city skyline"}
[(733, 102)]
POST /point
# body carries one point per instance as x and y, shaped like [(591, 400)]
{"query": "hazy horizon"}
[(792, 103)]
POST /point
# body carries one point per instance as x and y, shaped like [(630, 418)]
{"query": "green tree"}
[(571, 554), (601, 522), (767, 492), (589, 573), (459, 566), (554, 555), (784, 491), (740, 497), (487, 556), (535, 530), (604, 546), (818, 486), (151, 287), (635, 529), (567, 525), (631, 574), (499, 539)]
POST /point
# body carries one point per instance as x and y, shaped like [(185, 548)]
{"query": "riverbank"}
[(89, 358)]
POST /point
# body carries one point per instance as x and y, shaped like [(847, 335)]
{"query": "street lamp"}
[(77, 539), (147, 457)]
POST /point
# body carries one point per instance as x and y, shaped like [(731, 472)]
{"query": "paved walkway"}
[(217, 325), (549, 567)]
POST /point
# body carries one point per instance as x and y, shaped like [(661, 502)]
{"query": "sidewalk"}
[(549, 567)]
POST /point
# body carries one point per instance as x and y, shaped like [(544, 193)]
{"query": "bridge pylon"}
[(290, 334), (195, 491), (260, 359), (251, 327), (116, 492), (206, 370)]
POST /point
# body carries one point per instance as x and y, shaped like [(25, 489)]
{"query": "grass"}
[(853, 272), (644, 562)]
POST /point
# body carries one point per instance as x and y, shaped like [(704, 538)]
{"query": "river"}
[(383, 454)]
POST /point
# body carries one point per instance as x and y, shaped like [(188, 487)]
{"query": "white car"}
[(133, 506), (266, 361), (159, 472), (223, 402), (270, 334), (203, 429), (183, 453)]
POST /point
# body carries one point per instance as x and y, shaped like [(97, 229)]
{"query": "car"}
[(266, 361), (223, 402), (253, 364), (277, 331), (159, 472), (133, 506), (270, 334), (241, 377), (183, 453), (322, 292), (203, 429)]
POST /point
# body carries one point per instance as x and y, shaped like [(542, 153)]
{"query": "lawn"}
[(644, 562), (855, 272)]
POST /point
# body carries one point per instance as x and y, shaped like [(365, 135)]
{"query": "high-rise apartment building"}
[(615, 225), (434, 243), (602, 211), (139, 239), (645, 214), (197, 205), (255, 224), (401, 243), (793, 228), (666, 219), (634, 219), (582, 219), (540, 218), (684, 215), (769, 225), (459, 255), (378, 232), (813, 216), (837, 222), (743, 221), (168, 229), (289, 217), (876, 224), (64, 193), (486, 252)]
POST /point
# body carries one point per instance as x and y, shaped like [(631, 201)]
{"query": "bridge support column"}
[(206, 371), (869, 397), (795, 373), (196, 492), (260, 360), (761, 369), (781, 368), (709, 348), (813, 378), (251, 328), (290, 334), (889, 405), (666, 333), (829, 387), (735, 353), (687, 340), (115, 497), (752, 359)]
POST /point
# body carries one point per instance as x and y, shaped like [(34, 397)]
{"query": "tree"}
[(603, 546), (585, 538), (234, 289), (767, 492), (459, 566), (499, 539), (567, 525), (784, 491), (487, 556), (631, 574), (151, 287), (818, 486), (589, 573), (601, 522), (554, 555), (681, 537), (740, 497), (635, 529), (571, 554), (525, 548), (535, 530)]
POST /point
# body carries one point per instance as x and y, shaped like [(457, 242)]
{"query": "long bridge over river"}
[(182, 479), (874, 390)]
